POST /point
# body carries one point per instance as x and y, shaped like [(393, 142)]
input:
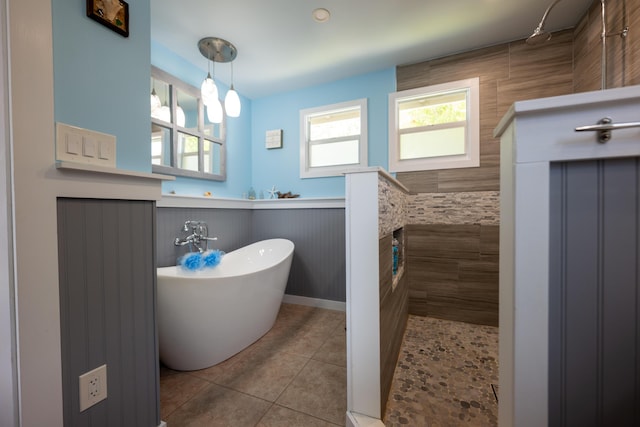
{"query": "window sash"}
[(466, 132), (446, 141), (353, 133), (326, 119), (347, 153), (433, 100)]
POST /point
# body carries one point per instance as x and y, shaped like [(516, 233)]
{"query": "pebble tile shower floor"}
[(296, 376), (444, 375)]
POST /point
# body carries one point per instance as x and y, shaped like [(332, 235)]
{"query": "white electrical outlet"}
[(93, 387)]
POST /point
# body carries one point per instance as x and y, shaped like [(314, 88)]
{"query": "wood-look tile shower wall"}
[(622, 54), (508, 73), (569, 63), (468, 289)]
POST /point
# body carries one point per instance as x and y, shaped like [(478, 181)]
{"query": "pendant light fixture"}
[(181, 119), (218, 50), (164, 112), (208, 89), (214, 112), (232, 100), (155, 99)]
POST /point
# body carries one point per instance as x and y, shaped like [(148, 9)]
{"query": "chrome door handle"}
[(604, 128)]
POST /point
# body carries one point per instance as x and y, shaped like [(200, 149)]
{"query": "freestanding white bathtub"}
[(207, 316)]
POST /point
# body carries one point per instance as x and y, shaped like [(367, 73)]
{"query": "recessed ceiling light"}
[(321, 15)]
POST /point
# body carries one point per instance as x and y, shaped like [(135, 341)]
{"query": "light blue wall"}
[(238, 132), (101, 78), (281, 167), (101, 83)]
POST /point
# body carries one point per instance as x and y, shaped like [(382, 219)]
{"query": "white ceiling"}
[(281, 48)]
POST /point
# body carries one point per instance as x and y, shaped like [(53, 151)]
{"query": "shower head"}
[(539, 34)]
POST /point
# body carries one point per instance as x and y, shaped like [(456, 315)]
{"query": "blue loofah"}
[(191, 261), (212, 258)]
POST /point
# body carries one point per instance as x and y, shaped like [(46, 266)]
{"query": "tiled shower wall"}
[(452, 250), (392, 216), (623, 54), (458, 209), (452, 255), (480, 207)]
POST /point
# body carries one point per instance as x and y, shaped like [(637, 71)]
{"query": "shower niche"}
[(397, 255)]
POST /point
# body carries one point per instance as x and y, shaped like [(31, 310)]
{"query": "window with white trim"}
[(435, 127), (333, 138)]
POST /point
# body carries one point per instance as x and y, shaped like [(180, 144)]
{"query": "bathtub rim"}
[(205, 273)]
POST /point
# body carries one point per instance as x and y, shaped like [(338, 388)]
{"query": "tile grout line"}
[(208, 382)]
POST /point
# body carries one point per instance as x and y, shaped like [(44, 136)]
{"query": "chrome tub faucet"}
[(199, 236)]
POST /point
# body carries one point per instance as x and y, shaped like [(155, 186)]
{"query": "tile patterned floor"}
[(296, 376), (444, 375)]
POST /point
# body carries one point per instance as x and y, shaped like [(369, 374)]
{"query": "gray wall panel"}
[(318, 269), (107, 308), (232, 227), (594, 290)]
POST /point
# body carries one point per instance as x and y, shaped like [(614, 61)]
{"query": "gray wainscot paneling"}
[(232, 227), (318, 267), (594, 290), (107, 309)]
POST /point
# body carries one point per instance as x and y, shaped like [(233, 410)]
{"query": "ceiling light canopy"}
[(321, 15), (218, 50)]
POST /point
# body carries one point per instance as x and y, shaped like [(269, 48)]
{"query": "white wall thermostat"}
[(274, 139)]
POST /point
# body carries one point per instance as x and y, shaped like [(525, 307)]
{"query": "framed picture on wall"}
[(110, 13)]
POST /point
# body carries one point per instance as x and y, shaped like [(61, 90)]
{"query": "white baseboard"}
[(315, 302), (358, 420), (162, 424)]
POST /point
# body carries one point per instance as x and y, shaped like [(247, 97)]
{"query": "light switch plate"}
[(105, 150), (79, 145), (89, 146), (74, 143)]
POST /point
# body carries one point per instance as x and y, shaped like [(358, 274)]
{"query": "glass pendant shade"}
[(181, 119), (155, 101), (209, 91), (214, 112), (232, 103), (163, 113)]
